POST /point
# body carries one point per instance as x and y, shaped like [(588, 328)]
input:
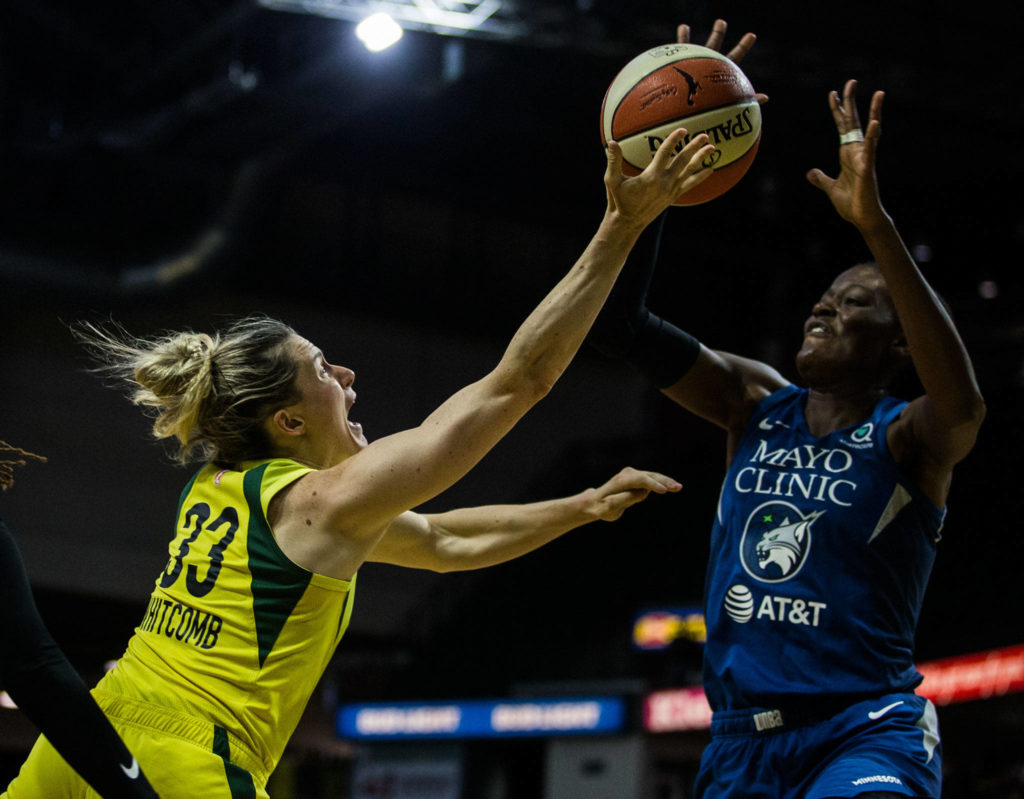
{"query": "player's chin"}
[(353, 436), (810, 363), (358, 436)]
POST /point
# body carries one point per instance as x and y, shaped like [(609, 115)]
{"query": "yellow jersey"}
[(235, 633)]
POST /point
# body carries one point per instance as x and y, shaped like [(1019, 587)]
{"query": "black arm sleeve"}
[(626, 329), (46, 687)]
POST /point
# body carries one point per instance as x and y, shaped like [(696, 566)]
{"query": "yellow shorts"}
[(182, 756)]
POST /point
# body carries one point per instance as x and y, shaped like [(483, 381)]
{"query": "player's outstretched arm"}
[(944, 422), (50, 692), (363, 494), (472, 538)]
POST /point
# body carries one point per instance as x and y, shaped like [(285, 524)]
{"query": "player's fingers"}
[(744, 46), (695, 144), (836, 107), (820, 180), (613, 171), (692, 178), (630, 478), (665, 153), (662, 483), (875, 112), (693, 159), (683, 34), (717, 35), (849, 106), (873, 133), (615, 504)]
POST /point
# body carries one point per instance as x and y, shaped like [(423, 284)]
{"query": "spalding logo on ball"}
[(684, 86)]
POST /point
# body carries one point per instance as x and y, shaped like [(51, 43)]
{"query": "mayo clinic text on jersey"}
[(792, 476)]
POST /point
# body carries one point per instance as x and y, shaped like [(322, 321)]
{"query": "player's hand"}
[(639, 200), (854, 194), (715, 40), (628, 487)]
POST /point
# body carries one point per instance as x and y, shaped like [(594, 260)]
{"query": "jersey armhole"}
[(276, 476), (885, 420), (765, 405)]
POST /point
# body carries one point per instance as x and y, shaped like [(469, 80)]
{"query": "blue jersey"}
[(820, 555)]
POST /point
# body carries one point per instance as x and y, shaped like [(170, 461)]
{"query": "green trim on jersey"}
[(239, 780), (277, 583), (184, 494)]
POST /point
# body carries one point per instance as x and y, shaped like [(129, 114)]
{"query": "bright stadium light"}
[(475, 18), (378, 32)]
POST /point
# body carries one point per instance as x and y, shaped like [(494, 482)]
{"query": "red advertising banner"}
[(978, 676), (677, 709), (956, 679)]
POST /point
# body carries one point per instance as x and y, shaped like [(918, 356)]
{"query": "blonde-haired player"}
[(271, 532)]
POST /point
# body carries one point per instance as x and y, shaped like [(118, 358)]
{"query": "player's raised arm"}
[(364, 493), (717, 386), (945, 421)]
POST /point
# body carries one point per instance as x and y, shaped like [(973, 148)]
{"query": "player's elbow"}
[(457, 553), (979, 409), (525, 386), (961, 433), (970, 414), (535, 380), (976, 414)]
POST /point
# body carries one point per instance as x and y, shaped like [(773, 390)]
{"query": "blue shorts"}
[(886, 744)]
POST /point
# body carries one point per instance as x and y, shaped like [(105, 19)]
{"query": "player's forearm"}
[(50, 692), (938, 353), (56, 700), (472, 538), (551, 335)]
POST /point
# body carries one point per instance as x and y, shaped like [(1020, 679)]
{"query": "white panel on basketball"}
[(731, 129)]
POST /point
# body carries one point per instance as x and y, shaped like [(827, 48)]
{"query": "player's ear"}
[(899, 347), (900, 361), (287, 422)]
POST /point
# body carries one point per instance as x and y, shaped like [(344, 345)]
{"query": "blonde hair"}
[(7, 466), (209, 392)]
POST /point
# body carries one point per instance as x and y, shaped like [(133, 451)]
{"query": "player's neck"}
[(828, 410)]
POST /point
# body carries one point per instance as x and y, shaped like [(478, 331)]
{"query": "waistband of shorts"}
[(770, 721), (181, 725)]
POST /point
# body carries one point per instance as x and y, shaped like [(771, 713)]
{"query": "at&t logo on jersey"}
[(776, 540), (741, 605)]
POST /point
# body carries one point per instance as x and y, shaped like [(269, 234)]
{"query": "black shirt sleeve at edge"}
[(50, 692)]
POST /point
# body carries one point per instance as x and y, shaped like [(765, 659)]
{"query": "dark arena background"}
[(178, 163)]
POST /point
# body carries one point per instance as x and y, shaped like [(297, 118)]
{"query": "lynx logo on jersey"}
[(776, 540)]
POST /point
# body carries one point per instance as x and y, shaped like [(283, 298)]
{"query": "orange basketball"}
[(684, 86)]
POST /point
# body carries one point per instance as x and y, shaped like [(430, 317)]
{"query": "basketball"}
[(684, 86)]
